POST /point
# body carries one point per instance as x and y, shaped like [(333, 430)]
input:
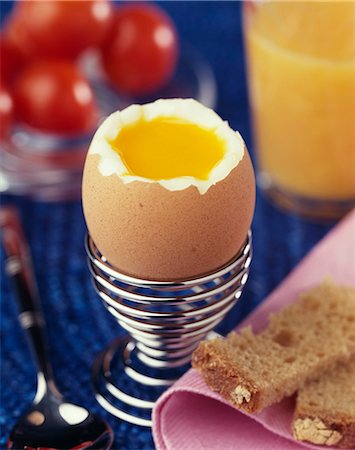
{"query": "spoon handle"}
[(19, 268)]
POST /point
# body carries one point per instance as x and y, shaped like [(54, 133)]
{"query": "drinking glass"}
[(301, 80)]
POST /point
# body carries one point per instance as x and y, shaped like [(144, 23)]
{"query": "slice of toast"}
[(325, 409), (300, 343)]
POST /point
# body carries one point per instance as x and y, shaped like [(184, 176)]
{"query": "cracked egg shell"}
[(172, 229)]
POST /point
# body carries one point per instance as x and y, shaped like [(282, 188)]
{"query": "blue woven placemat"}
[(78, 324)]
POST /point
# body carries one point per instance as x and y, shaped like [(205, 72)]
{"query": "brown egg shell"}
[(149, 232)]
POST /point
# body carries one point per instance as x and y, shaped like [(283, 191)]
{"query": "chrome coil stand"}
[(165, 322)]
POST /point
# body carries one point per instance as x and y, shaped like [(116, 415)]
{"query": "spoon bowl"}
[(56, 424)]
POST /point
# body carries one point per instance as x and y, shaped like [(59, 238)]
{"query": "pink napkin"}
[(190, 416)]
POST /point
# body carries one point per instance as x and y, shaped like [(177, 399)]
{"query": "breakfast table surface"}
[(78, 325)]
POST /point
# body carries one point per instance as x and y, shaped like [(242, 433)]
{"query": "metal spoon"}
[(51, 422)]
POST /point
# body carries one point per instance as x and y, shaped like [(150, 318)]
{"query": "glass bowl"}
[(49, 167)]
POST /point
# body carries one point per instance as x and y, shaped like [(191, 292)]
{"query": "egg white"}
[(187, 109)]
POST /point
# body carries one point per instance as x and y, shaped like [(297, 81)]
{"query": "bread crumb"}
[(315, 431), (241, 395)]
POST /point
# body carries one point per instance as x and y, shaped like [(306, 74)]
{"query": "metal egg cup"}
[(165, 322)]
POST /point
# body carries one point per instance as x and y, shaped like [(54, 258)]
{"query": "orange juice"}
[(301, 75)]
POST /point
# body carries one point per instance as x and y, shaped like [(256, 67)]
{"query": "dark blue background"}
[(78, 324)]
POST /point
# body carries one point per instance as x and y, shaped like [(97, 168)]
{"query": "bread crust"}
[(322, 431), (220, 374)]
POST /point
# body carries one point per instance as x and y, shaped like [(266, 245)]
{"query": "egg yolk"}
[(166, 148)]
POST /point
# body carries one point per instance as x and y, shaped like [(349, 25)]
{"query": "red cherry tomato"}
[(12, 61), (6, 111), (53, 96), (140, 53), (57, 28)]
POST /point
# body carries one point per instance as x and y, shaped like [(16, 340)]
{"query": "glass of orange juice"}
[(301, 79)]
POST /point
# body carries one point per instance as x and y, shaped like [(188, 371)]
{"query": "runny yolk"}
[(166, 148)]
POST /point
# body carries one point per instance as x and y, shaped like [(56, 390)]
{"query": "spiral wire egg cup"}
[(165, 322)]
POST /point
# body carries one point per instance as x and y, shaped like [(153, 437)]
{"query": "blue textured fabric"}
[(78, 324)]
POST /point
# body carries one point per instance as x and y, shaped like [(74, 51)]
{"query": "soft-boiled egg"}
[(168, 190)]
